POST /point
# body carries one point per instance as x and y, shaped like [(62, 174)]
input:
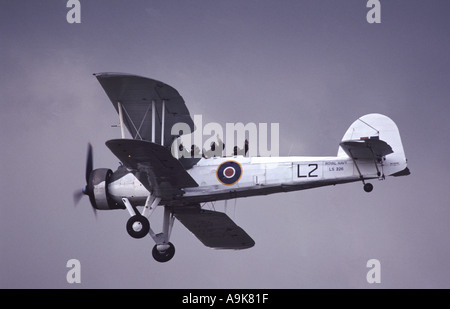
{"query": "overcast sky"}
[(312, 66)]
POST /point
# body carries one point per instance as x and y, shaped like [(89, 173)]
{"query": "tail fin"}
[(381, 128)]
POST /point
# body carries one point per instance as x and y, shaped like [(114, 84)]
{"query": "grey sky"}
[(312, 66)]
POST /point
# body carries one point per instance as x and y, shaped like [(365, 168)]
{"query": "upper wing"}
[(154, 165), (214, 229), (366, 149), (136, 94)]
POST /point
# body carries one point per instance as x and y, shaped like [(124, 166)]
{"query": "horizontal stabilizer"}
[(153, 165), (404, 172), (366, 149), (214, 229)]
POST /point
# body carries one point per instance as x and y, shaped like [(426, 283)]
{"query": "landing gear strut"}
[(163, 253), (368, 187), (164, 250), (138, 226)]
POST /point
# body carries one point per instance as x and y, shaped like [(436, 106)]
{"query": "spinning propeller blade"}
[(77, 195), (87, 189), (89, 162)]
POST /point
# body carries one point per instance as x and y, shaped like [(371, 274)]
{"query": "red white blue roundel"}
[(229, 172)]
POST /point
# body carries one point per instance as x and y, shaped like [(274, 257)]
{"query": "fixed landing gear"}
[(368, 187), (138, 226), (163, 253)]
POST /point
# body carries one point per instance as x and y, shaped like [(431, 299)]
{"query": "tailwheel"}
[(138, 226), (368, 187), (163, 252)]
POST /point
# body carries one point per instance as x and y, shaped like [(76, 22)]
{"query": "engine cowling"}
[(97, 188)]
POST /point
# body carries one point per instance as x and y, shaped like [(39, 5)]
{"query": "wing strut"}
[(153, 121), (163, 116), (122, 131)]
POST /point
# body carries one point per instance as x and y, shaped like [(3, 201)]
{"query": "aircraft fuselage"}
[(222, 178)]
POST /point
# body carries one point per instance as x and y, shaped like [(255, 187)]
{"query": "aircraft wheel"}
[(163, 255), (368, 187), (138, 226)]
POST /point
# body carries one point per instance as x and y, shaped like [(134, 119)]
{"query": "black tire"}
[(163, 256), (368, 187), (145, 226)]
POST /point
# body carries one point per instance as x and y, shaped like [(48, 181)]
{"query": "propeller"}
[(89, 163), (87, 189)]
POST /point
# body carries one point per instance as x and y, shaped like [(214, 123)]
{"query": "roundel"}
[(229, 172)]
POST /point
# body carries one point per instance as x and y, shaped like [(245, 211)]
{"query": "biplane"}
[(150, 176)]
